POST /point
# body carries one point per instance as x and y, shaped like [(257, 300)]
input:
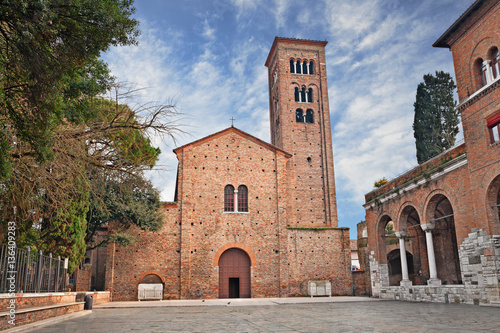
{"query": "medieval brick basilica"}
[(258, 219), (250, 218)]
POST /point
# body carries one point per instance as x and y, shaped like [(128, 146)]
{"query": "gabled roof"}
[(236, 131), (292, 41), (444, 39)]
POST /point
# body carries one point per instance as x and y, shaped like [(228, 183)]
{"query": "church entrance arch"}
[(234, 274)]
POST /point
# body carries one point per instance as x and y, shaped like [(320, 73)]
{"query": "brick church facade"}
[(251, 218), (445, 212)]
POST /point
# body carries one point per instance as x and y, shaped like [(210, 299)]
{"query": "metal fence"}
[(30, 272)]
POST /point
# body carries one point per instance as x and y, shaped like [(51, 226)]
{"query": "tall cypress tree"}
[(435, 125)]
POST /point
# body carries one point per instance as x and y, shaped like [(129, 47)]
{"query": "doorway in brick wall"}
[(234, 274)]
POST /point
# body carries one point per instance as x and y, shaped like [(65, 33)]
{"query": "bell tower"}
[(300, 125)]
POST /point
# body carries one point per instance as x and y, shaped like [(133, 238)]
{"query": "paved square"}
[(284, 315)]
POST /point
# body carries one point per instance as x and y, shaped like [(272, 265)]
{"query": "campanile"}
[(300, 125)]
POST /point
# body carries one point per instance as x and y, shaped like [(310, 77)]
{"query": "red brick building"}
[(445, 211), (251, 219)]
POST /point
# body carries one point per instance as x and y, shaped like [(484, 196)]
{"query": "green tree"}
[(436, 120), (50, 67), (56, 131), (124, 199)]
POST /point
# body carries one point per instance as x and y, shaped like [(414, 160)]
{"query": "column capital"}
[(401, 234), (428, 227)]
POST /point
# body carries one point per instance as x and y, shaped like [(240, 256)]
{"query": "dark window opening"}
[(304, 67), (311, 63), (292, 66), (495, 63), (309, 116), (242, 198), (229, 198), (310, 95), (482, 71), (299, 116), (303, 95), (297, 94), (298, 67)]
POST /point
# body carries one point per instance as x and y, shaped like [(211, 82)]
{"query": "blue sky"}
[(209, 57)]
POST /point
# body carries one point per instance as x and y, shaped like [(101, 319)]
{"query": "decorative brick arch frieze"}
[(151, 273), (228, 246)]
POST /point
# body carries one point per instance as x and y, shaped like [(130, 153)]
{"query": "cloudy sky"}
[(209, 57)]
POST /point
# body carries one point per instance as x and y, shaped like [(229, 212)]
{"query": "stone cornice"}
[(442, 170)]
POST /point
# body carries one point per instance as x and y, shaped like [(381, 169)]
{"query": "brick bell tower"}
[(300, 125)]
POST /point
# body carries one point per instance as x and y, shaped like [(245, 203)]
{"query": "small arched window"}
[(304, 67), (311, 66), (309, 116), (229, 198), (297, 94), (482, 71), (298, 67), (303, 95), (310, 95), (242, 198), (292, 66), (299, 116), (495, 63)]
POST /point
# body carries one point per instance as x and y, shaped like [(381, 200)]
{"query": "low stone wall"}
[(479, 257), (32, 300), (441, 294), (27, 316), (98, 297)]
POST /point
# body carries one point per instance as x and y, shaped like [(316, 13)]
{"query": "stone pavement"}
[(333, 314)]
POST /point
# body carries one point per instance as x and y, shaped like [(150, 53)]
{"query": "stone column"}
[(235, 200), (402, 252), (430, 253)]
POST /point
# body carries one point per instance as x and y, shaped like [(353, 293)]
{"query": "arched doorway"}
[(440, 212), (493, 206), (234, 274), (416, 244), (394, 265)]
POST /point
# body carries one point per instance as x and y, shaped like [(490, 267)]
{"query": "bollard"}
[(88, 302)]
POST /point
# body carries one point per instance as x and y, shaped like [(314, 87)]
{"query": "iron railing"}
[(24, 270)]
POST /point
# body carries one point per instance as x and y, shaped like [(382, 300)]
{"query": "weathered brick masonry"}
[(445, 211), (289, 232)]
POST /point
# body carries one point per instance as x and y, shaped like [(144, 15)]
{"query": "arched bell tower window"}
[(309, 116), (297, 94), (298, 66), (310, 95), (229, 198), (299, 116), (303, 95)]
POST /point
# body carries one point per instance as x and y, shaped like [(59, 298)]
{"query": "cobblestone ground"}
[(383, 316)]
